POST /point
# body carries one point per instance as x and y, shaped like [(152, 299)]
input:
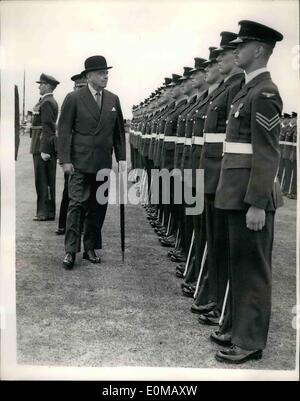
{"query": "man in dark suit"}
[(248, 194), (43, 148), (79, 82), (89, 129)]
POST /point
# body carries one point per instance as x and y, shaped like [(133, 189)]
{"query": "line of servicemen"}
[(182, 125), (287, 173)]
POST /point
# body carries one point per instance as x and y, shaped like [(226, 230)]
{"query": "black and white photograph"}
[(149, 169)]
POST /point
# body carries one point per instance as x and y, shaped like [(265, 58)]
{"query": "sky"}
[(144, 41)]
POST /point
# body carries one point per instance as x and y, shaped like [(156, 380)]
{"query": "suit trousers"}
[(250, 257), (216, 252), (64, 204), (45, 175), (83, 205)]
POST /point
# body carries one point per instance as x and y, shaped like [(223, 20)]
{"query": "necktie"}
[(99, 99)]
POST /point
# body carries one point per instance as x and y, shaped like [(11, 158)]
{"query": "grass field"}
[(130, 314)]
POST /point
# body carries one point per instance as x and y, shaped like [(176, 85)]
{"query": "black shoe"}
[(91, 256), (236, 355), (221, 339), (180, 268), (202, 309), (169, 243), (178, 258), (69, 260), (39, 218), (210, 319), (60, 231), (188, 291), (179, 274)]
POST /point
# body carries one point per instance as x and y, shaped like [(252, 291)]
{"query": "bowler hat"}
[(47, 79), (95, 63)]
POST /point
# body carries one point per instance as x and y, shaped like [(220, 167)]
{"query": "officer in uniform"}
[(194, 128), (249, 196), (79, 82), (284, 124), (210, 162), (43, 148)]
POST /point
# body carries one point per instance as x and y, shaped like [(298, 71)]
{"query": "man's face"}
[(226, 61), (244, 54), (198, 78), (212, 73), (176, 91), (187, 86), (98, 79), (44, 88)]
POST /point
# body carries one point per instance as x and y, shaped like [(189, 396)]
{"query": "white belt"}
[(153, 135), (214, 137), (281, 143), (147, 136), (180, 139), (198, 140), (161, 136), (289, 143), (188, 141), (295, 143), (236, 147), (36, 127), (170, 138), (139, 133)]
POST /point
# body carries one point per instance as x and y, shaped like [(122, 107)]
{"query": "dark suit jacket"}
[(88, 136), (44, 126), (245, 179)]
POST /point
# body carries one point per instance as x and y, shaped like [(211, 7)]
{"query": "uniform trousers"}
[(45, 175), (216, 252), (84, 205), (249, 259)]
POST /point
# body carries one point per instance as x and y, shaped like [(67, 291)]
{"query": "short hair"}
[(267, 49)]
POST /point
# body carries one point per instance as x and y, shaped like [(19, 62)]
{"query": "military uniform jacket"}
[(248, 179), (147, 131), (168, 148), (45, 114), (153, 132), (293, 155), (88, 136), (160, 130), (180, 132), (215, 122), (288, 139)]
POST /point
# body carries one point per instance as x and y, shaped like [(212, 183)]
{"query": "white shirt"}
[(254, 74), (94, 92)]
